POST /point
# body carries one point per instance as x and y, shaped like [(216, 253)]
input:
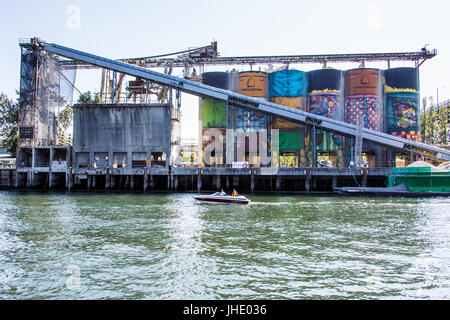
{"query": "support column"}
[(235, 181), (175, 186), (334, 183), (94, 182), (170, 181), (50, 178), (17, 179), (218, 187), (30, 179), (228, 182), (89, 182), (113, 181), (9, 178), (364, 177), (145, 179), (132, 181), (70, 179), (127, 182), (152, 182), (278, 183), (108, 179), (308, 180), (252, 181), (199, 180)]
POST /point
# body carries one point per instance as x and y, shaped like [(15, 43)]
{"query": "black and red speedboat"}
[(223, 198)]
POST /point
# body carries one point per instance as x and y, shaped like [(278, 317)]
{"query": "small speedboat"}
[(220, 197)]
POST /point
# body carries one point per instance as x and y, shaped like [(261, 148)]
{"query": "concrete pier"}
[(182, 179)]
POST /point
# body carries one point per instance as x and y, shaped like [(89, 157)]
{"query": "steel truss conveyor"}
[(235, 99)]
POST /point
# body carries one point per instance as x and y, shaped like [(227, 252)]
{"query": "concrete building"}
[(115, 145)]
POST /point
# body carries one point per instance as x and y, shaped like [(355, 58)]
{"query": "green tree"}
[(442, 122), (65, 118), (9, 123), (88, 98)]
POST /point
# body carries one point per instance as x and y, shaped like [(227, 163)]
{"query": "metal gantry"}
[(208, 55)]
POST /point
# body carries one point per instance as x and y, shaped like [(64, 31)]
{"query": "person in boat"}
[(222, 193), (235, 194)]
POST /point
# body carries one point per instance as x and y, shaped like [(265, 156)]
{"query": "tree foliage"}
[(88, 98), (435, 123), (9, 124), (65, 118)]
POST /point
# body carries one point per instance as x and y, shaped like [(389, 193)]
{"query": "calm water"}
[(126, 246)]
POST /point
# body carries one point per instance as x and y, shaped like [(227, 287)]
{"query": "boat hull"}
[(222, 200)]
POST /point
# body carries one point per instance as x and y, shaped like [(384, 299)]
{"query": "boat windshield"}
[(219, 194)]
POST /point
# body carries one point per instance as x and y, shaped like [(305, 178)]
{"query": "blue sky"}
[(131, 28)]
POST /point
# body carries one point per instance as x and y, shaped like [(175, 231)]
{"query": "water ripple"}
[(125, 246)]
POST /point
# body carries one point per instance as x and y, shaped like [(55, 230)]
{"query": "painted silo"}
[(325, 96), (289, 88), (325, 99), (402, 98), (212, 113), (252, 84), (363, 98)]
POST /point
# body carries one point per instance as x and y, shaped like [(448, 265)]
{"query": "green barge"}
[(412, 181)]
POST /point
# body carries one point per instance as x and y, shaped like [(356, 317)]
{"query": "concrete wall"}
[(121, 128)]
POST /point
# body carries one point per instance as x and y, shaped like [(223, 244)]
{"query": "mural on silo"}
[(342, 96), (362, 91), (213, 114), (401, 87), (292, 148), (250, 121), (288, 88), (253, 84), (325, 99)]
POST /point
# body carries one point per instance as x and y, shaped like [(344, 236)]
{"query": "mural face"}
[(253, 84), (362, 82)]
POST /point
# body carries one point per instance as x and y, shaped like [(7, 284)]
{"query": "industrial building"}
[(355, 121)]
